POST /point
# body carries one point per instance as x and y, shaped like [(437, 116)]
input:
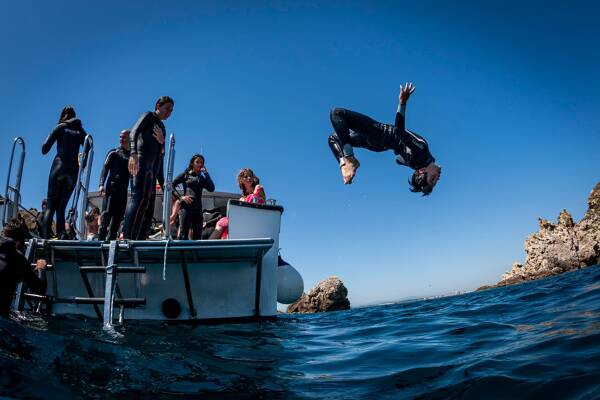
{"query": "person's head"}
[(164, 107), (196, 163), (124, 139), (17, 231), (247, 181), (92, 215), (424, 179), (66, 114), (44, 203)]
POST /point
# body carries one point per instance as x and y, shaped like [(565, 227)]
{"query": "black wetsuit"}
[(69, 136), (190, 215), (353, 129), (143, 188), (149, 215), (14, 268), (115, 192)]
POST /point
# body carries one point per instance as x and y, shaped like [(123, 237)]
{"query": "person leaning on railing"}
[(252, 192)]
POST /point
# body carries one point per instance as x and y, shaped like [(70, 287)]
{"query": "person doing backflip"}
[(147, 140), (114, 180), (353, 129)]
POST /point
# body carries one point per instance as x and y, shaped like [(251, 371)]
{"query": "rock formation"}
[(560, 247), (328, 295)]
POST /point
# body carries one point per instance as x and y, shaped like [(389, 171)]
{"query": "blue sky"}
[(507, 96)]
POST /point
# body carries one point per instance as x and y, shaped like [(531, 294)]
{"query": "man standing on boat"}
[(145, 160), (115, 170), (353, 129)]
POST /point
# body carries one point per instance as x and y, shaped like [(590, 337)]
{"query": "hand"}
[(158, 135), (40, 264), (101, 190), (204, 170), (133, 165), (405, 92), (187, 199), (257, 189)]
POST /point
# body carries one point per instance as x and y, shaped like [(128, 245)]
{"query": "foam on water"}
[(539, 339)]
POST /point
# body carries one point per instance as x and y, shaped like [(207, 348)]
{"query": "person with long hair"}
[(145, 166), (252, 192), (353, 129), (194, 179), (69, 135)]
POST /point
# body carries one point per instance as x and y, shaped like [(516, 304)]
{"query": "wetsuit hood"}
[(74, 123)]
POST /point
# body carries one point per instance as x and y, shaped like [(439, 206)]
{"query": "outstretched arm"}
[(405, 92)]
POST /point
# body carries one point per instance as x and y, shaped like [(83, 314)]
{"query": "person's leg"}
[(105, 217), (118, 205), (351, 129), (139, 197), (184, 223), (68, 184), (197, 225), (146, 228), (116, 210), (53, 199)]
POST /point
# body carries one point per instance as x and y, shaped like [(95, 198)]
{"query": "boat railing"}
[(80, 198), (168, 188), (11, 207)]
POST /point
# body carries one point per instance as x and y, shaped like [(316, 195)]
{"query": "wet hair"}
[(244, 172), (66, 114), (190, 167), (17, 230), (162, 100), (418, 183)]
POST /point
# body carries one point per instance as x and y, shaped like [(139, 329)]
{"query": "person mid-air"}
[(353, 129)]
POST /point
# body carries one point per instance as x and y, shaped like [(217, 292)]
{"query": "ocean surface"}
[(536, 340)]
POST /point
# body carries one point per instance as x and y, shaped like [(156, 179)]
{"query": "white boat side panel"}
[(251, 222)]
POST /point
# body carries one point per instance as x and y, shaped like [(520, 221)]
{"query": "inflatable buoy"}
[(289, 283)]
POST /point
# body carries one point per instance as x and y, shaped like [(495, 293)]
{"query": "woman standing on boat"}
[(69, 135), (194, 179)]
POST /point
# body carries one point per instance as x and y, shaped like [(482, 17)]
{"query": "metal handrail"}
[(77, 222), (17, 188), (168, 188)]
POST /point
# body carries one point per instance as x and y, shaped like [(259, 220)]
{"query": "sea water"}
[(535, 340)]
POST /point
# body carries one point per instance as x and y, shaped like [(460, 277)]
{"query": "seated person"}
[(92, 219), (252, 192), (14, 267)]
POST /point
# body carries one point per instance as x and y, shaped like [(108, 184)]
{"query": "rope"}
[(165, 259)]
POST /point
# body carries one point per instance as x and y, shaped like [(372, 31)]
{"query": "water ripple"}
[(539, 339)]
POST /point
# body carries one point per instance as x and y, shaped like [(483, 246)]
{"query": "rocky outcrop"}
[(328, 295), (560, 247)]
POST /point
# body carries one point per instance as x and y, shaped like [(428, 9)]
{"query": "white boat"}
[(173, 280)]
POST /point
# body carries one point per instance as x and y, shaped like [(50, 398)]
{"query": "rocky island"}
[(559, 247), (328, 295)]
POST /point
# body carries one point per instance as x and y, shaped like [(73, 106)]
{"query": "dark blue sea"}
[(536, 340)]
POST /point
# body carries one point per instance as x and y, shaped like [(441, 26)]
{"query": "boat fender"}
[(289, 283)]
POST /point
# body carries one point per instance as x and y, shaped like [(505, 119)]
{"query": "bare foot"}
[(349, 169)]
